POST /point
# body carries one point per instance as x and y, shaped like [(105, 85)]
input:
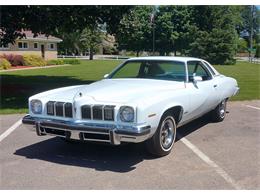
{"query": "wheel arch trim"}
[(175, 110)]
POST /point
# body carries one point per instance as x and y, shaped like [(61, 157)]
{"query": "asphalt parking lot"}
[(206, 155)]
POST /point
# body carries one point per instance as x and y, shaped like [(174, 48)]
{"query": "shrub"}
[(15, 60), (230, 62), (242, 45), (4, 63), (34, 60), (71, 61), (55, 62)]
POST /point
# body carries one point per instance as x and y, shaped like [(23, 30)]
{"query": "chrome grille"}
[(50, 108), (61, 109), (109, 113), (68, 110), (98, 112), (86, 112)]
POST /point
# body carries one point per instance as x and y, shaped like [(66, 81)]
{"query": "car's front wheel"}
[(162, 141), (219, 113)]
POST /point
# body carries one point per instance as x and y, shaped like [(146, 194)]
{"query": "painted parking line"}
[(211, 163), (257, 108), (10, 130)]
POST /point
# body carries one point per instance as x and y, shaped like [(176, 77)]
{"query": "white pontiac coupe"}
[(143, 99)]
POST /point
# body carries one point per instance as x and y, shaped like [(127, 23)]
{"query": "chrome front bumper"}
[(88, 131)]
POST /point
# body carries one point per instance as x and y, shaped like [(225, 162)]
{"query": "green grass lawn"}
[(17, 86)]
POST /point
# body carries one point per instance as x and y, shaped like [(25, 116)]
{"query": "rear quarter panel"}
[(227, 86)]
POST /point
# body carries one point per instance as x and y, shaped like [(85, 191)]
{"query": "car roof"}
[(174, 58)]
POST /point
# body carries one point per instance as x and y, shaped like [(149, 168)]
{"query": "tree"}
[(135, 30), (208, 32), (172, 25), (257, 53), (250, 26), (90, 39), (215, 37), (71, 44), (242, 45), (54, 20), (250, 18)]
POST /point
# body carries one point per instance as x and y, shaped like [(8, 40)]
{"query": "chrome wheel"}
[(167, 133), (161, 143), (219, 113), (222, 109)]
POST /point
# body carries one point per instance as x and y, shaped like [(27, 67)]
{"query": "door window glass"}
[(196, 68)]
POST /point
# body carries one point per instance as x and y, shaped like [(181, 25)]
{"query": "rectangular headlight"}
[(36, 106)]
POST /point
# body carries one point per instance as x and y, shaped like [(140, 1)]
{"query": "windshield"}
[(163, 70)]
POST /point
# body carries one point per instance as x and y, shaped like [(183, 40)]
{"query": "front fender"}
[(151, 109), (153, 114)]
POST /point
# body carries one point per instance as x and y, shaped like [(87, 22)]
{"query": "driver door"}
[(203, 94)]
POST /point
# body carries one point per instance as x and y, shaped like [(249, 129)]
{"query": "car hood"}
[(115, 90)]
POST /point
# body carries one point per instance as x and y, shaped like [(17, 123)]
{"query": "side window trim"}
[(209, 68), (206, 69)]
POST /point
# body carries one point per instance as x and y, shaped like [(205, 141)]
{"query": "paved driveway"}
[(206, 155)]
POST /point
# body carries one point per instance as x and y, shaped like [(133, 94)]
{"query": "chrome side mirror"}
[(197, 78), (106, 76)]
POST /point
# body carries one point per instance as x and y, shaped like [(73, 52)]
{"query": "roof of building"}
[(29, 35)]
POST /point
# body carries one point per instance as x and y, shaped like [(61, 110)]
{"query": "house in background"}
[(41, 45)]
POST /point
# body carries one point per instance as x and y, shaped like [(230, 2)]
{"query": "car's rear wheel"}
[(162, 141), (219, 113)]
